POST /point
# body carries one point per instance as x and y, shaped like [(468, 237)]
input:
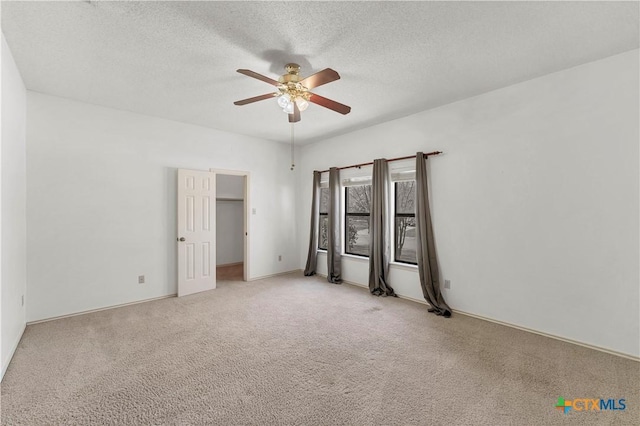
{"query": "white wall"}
[(534, 202), (229, 186), (229, 219), (229, 232), (102, 202), (13, 231)]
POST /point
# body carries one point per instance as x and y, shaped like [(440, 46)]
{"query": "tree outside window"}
[(323, 237), (405, 222), (357, 211)]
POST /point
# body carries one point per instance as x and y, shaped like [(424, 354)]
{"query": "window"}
[(358, 202), (405, 222), (323, 236)]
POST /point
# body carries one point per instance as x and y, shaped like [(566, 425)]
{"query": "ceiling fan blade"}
[(258, 76), (325, 76), (295, 117), (328, 103), (255, 99)]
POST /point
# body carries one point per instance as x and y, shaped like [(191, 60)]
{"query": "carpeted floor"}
[(292, 350)]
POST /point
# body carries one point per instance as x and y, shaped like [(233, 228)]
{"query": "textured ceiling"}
[(177, 60)]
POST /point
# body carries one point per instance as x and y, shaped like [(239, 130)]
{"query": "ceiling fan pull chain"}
[(292, 165)]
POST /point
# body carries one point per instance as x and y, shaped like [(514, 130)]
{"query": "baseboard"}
[(142, 301), (360, 285), (75, 314), (552, 336), (275, 275), (13, 351), (519, 327)]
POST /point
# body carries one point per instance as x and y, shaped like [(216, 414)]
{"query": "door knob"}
[(181, 239)]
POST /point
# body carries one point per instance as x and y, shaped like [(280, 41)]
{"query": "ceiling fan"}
[(293, 93)]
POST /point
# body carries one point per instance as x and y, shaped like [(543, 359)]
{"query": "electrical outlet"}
[(22, 300), (253, 211), (447, 284), (279, 258), (140, 279)]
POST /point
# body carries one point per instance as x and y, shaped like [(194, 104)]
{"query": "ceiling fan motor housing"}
[(290, 83), (292, 75)]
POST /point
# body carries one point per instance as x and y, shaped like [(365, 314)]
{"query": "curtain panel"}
[(333, 240), (379, 232), (312, 253), (426, 253)]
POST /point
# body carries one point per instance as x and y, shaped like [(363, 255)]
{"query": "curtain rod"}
[(428, 154)]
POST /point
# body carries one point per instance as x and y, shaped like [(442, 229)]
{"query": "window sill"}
[(406, 266), (353, 256), (395, 265)]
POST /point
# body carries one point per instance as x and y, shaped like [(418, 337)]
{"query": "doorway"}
[(231, 225)]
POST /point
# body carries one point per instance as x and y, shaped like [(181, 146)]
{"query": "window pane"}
[(406, 197), (406, 239), (358, 199), (324, 200), (358, 235), (324, 229)]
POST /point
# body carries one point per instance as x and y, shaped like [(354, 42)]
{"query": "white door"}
[(196, 231)]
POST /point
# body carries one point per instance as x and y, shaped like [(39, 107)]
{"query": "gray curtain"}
[(426, 253), (379, 248), (333, 240), (310, 269)]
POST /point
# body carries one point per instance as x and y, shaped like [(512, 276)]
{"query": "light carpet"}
[(292, 350)]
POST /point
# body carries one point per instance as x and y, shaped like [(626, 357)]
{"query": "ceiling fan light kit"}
[(293, 94), (290, 90)]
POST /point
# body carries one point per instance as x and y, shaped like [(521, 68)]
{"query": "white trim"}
[(407, 266), (14, 347), (354, 176), (357, 181), (106, 308), (398, 265), (275, 275), (530, 330), (355, 284), (247, 215), (229, 172), (402, 167), (354, 256), (552, 336), (344, 281)]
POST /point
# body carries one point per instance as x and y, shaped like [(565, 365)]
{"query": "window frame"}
[(320, 216), (397, 215), (345, 217)]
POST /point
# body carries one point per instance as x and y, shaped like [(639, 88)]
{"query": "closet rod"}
[(428, 154)]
